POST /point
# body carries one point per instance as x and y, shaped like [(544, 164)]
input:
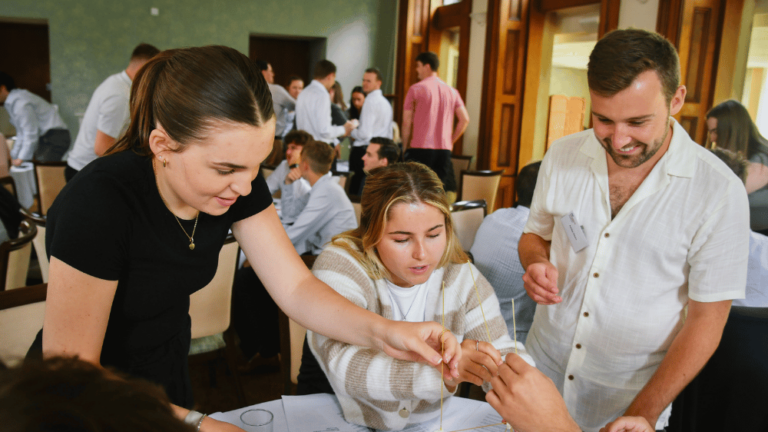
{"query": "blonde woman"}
[(396, 264)]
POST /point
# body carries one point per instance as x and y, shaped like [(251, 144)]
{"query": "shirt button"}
[(607, 235), (570, 377), (596, 275), (404, 413), (578, 346), (586, 314)]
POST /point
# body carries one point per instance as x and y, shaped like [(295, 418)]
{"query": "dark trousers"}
[(69, 173), (254, 315), (439, 161), (52, 145), (356, 170)]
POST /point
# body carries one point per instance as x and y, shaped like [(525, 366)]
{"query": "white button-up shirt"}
[(375, 119), (757, 273), (313, 113), (282, 103), (290, 194), (683, 234), (32, 116)]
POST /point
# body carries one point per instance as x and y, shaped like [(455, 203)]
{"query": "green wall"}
[(92, 39)]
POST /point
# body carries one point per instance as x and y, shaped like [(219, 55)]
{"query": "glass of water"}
[(257, 420)]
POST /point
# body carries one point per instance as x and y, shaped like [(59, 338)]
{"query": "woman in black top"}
[(356, 103), (138, 231)]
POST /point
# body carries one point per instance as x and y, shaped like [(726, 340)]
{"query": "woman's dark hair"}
[(7, 81), (736, 131), (338, 96), (621, 55), (188, 90), (353, 112), (67, 394)]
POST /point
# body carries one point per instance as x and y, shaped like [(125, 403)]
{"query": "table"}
[(322, 412), (26, 189)]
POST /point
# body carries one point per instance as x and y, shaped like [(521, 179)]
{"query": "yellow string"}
[(514, 325), (442, 364), (479, 301), (479, 427)]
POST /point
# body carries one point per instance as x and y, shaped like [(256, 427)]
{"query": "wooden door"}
[(694, 26), (273, 50), (412, 39), (26, 59)]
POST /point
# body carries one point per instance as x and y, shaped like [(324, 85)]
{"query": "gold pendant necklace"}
[(190, 237)]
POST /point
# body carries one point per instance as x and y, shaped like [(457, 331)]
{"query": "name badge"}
[(575, 232)]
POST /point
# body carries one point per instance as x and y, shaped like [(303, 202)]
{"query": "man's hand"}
[(528, 400), (293, 175), (16, 162), (479, 363), (350, 125), (628, 424), (540, 281)]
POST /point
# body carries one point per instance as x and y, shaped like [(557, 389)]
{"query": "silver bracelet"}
[(194, 418), (199, 423)]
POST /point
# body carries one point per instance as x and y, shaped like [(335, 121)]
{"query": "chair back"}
[(343, 179), (467, 217), (210, 307), (9, 184), (39, 241), (292, 335), (14, 257), (49, 178), (267, 170), (22, 312), (460, 163), (476, 185)]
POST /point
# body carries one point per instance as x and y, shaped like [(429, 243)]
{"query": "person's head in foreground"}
[(405, 263), (316, 160), (381, 152), (294, 142), (526, 183), (66, 394), (208, 157), (730, 127), (634, 85)]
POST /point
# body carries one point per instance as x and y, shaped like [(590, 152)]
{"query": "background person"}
[(338, 107), (356, 100), (282, 101), (656, 223), (139, 230), (41, 134), (395, 264), (108, 113), (288, 175), (381, 152), (731, 128), (495, 254)]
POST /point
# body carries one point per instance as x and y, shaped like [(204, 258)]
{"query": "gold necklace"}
[(190, 237)]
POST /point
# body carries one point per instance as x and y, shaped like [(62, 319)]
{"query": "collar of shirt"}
[(126, 79), (323, 179)]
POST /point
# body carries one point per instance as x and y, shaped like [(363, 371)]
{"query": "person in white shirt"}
[(313, 107), (40, 132), (375, 121), (108, 113), (380, 152), (282, 101), (287, 175), (328, 210), (295, 86), (630, 223)]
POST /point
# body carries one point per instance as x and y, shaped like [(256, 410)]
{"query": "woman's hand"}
[(422, 342), (479, 363), (628, 424), (211, 425)]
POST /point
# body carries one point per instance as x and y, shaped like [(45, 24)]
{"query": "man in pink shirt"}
[(428, 131)]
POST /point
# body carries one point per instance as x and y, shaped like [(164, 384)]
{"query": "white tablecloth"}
[(24, 177)]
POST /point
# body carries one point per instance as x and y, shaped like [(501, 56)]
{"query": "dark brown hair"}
[(735, 161), (318, 155), (429, 58), (375, 70), (144, 51), (187, 90), (323, 68), (621, 55), (736, 131), (298, 137), (67, 394), (338, 96), (525, 183), (387, 149)]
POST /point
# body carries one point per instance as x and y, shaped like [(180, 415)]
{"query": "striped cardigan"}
[(376, 390)]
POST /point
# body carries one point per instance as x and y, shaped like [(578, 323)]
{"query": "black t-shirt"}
[(111, 223)]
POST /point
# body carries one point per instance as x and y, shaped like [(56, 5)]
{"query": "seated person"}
[(328, 210), (380, 152), (287, 174), (495, 254), (67, 394), (405, 263)]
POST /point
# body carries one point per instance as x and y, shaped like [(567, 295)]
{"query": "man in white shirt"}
[(375, 121), (630, 223), (40, 132), (287, 175), (328, 211), (295, 86), (108, 113), (282, 101), (313, 107), (380, 152)]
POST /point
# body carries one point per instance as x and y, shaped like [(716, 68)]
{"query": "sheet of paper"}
[(275, 407), (460, 413), (317, 413)]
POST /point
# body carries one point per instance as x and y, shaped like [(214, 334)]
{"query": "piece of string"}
[(479, 427), (442, 364), (480, 302), (514, 325)]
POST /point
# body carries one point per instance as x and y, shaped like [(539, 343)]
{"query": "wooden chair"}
[(460, 163), (210, 310), (22, 311), (14, 257), (8, 183), (355, 199), (49, 179), (292, 335), (475, 185), (39, 241), (467, 217)]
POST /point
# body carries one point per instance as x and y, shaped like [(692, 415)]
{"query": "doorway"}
[(288, 55)]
